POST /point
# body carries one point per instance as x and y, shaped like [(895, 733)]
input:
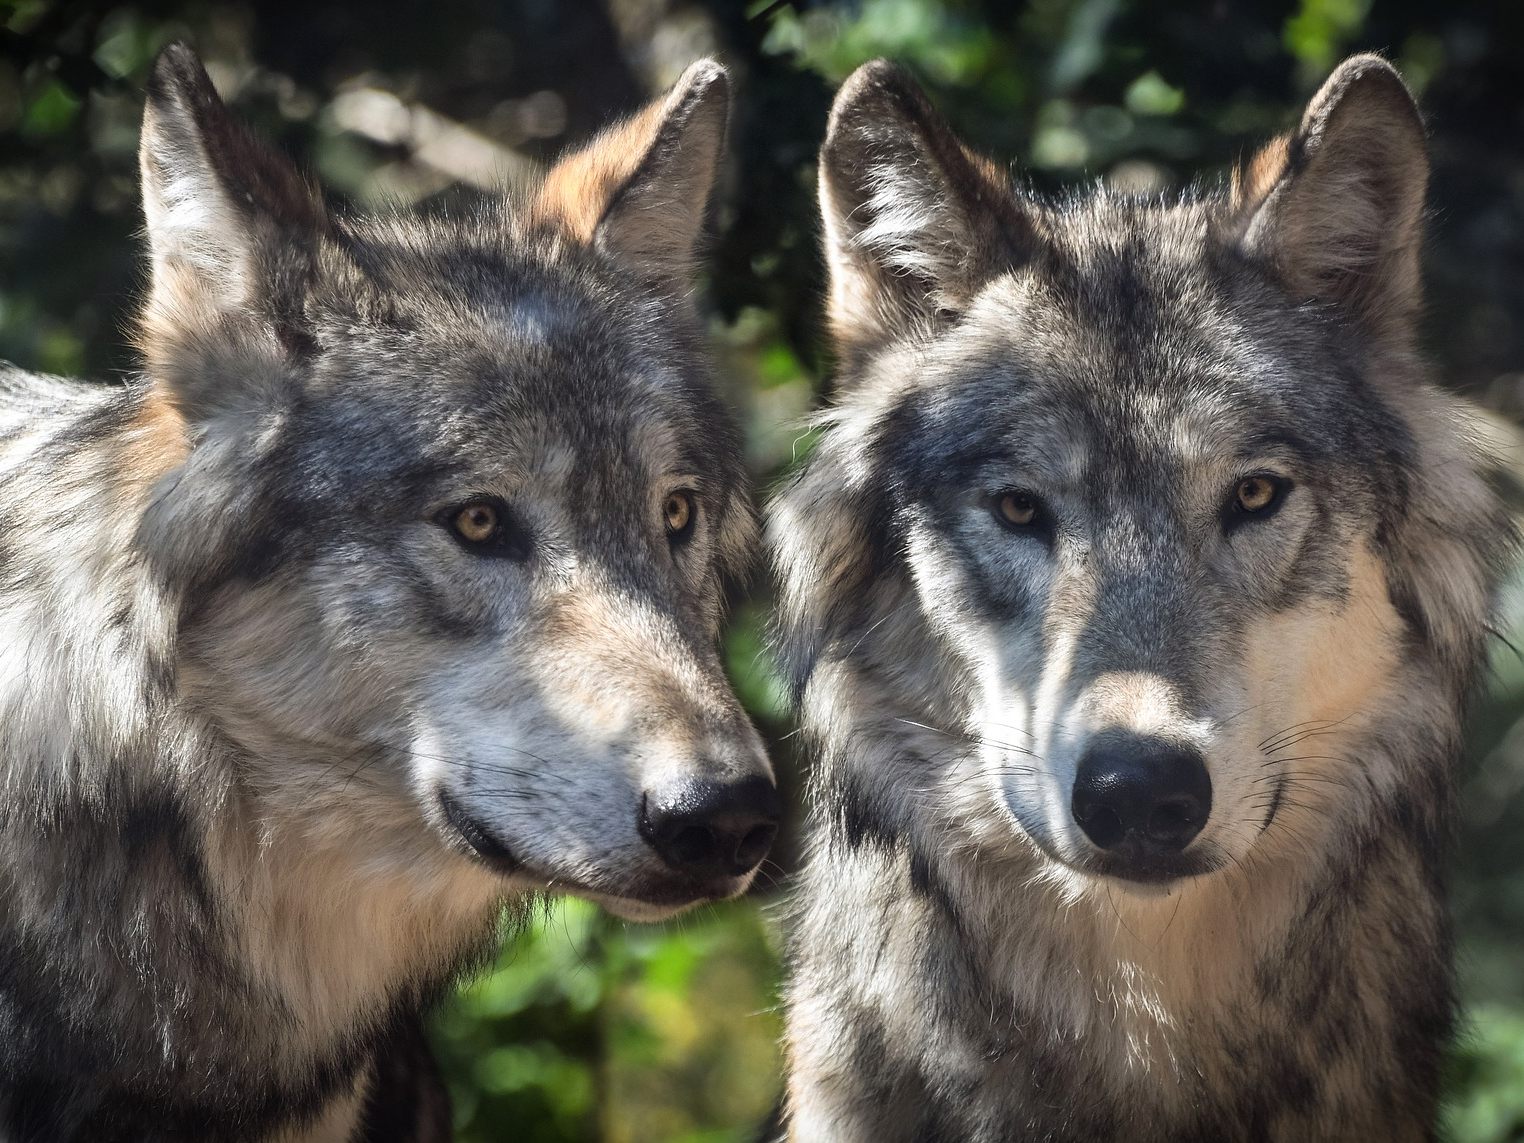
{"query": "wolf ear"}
[(1336, 208), (915, 222), (640, 190), (232, 229)]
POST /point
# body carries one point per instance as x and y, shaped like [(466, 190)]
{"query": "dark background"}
[(588, 1029)]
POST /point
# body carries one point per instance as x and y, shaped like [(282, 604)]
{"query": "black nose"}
[(711, 829), (1141, 796)]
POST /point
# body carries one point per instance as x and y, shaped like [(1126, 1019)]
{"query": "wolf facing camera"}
[(1131, 599)]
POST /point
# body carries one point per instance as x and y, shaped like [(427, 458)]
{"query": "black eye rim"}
[(1235, 515), (1041, 523), (510, 540), (680, 536)]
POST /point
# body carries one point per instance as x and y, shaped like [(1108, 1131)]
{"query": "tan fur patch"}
[(599, 639), (1355, 657), (1255, 179), (328, 926), (1140, 701), (640, 189), (578, 191), (1335, 666), (156, 441)]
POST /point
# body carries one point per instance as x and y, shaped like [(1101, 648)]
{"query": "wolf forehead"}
[(448, 355), (1137, 342)]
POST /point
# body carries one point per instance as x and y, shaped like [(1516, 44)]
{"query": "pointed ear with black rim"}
[(1336, 208), (640, 190), (915, 222), (232, 232)]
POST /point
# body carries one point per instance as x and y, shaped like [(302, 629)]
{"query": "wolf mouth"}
[(1136, 870), (1156, 871), (662, 896)]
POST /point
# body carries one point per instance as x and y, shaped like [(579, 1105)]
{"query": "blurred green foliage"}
[(1486, 1077), (589, 1029)]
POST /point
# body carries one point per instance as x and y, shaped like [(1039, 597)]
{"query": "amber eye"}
[(476, 523), (1256, 494), (678, 510), (1017, 509), (487, 527)]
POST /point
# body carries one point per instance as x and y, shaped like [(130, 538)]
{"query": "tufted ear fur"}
[(640, 190), (1336, 207), (232, 231), (915, 222)]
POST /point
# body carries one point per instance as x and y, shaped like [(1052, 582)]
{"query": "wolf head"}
[(1139, 514), (455, 506)]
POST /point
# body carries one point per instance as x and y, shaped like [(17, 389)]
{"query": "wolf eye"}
[(1259, 495), (1016, 509), (486, 528), (677, 508), (476, 523)]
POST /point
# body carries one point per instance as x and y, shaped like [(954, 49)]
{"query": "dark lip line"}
[(1205, 861), (1275, 801), (494, 853), (1164, 877), (485, 845)]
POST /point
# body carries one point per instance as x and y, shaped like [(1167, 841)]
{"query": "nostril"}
[(1170, 819), (691, 845), (1103, 826), (755, 844)]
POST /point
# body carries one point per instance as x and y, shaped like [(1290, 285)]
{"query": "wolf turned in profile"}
[(388, 592), (1132, 596)]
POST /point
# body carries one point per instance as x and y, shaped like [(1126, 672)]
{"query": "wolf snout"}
[(1141, 799), (708, 829)]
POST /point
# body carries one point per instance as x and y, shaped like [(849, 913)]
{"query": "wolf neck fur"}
[(1147, 978)]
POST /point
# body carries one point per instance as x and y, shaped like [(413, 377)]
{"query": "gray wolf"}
[(390, 591), (1131, 596)]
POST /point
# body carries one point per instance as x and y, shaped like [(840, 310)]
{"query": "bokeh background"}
[(589, 1029)]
